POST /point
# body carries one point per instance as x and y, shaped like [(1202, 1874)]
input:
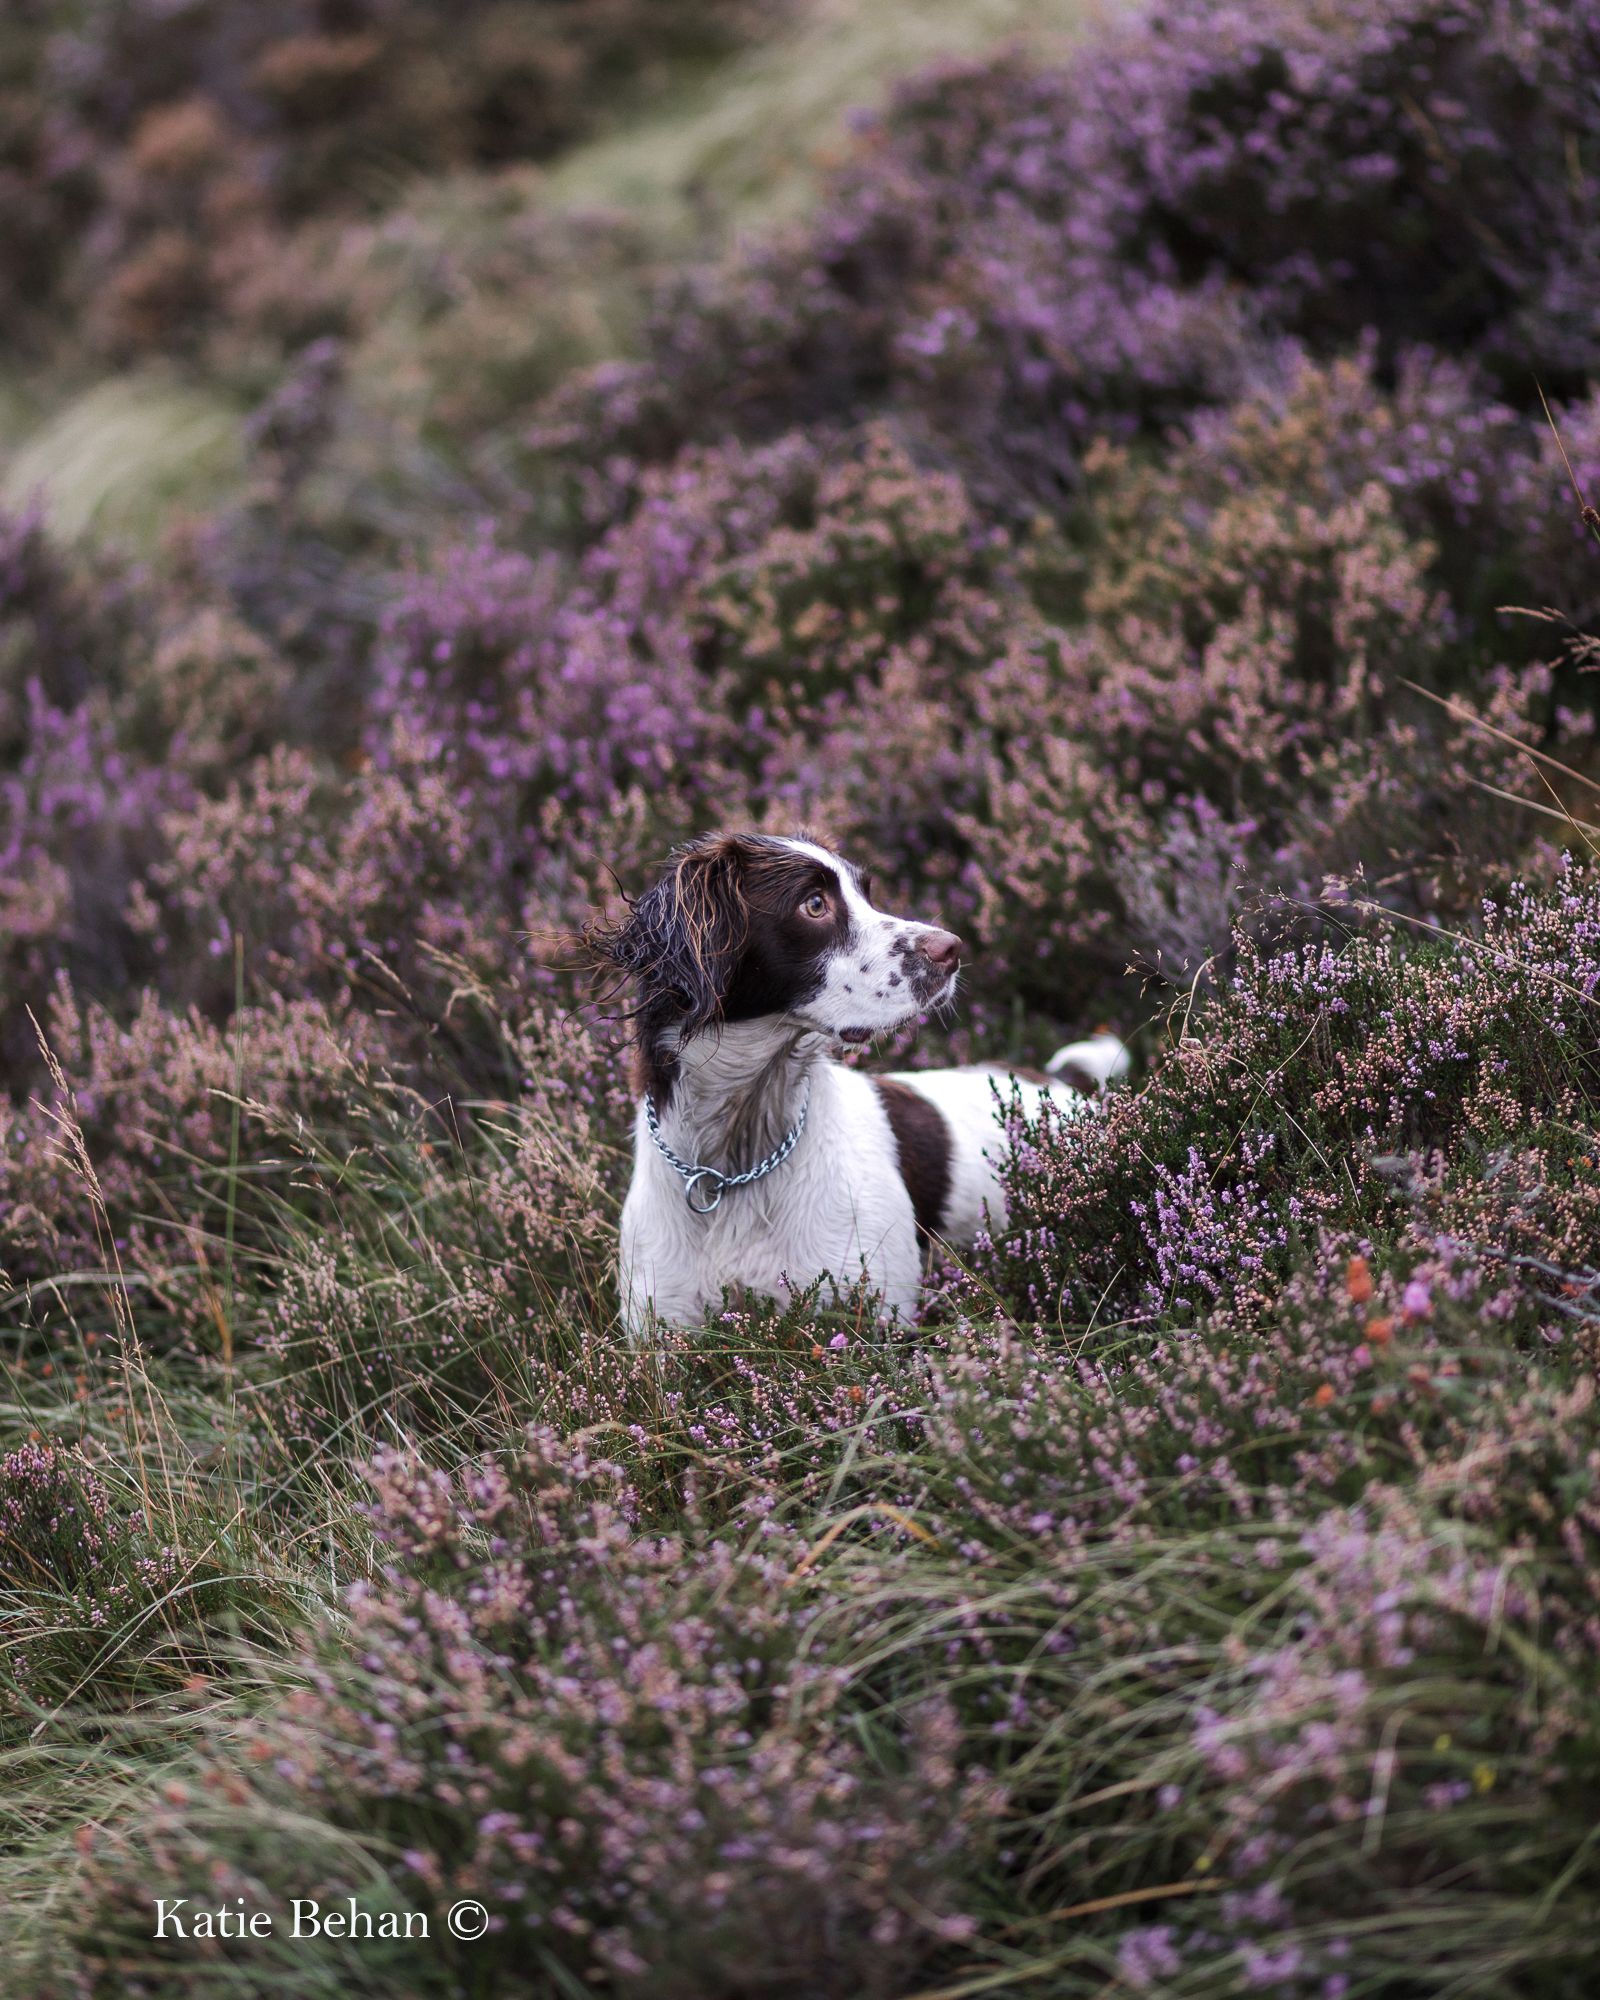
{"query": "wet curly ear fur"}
[(680, 945)]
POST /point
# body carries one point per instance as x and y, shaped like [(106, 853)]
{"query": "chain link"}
[(721, 1182)]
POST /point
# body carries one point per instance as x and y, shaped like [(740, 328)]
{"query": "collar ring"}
[(692, 1191)]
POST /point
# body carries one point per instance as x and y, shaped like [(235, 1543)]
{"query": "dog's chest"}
[(837, 1206)]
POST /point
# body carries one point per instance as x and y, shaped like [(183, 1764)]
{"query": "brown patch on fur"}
[(922, 1141), (706, 884), (715, 939), (1073, 1077), (1076, 1079)]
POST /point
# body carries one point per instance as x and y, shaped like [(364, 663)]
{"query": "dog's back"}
[(950, 1127)]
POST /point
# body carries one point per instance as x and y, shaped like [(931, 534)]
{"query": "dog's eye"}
[(815, 905)]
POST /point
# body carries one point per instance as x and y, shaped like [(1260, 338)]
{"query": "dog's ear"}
[(681, 941)]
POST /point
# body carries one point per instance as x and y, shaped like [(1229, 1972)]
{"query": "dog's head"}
[(746, 927)]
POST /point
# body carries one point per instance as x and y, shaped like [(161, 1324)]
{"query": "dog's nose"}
[(942, 950)]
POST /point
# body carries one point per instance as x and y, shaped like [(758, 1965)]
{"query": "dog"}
[(761, 1162)]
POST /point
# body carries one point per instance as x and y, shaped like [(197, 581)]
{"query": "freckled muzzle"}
[(889, 970), (931, 959)]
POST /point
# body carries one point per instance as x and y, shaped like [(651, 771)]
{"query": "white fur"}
[(836, 1207)]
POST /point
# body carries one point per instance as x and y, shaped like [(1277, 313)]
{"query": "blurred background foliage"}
[(179, 182)]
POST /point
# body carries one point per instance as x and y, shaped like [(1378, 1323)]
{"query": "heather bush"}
[(509, 685), (77, 819), (1196, 1596), (315, 888), (209, 696), (126, 1146), (1245, 704), (1460, 475), (1358, 1084), (617, 1741), (106, 1606), (75, 1571), (1240, 780), (1406, 167), (63, 631), (75, 805)]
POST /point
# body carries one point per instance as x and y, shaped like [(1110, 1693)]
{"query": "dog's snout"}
[(942, 950)]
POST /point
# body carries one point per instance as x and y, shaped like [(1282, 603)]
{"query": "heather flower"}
[(1416, 1301), (1146, 1957)]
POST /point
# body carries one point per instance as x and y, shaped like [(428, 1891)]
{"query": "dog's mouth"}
[(855, 1038), (857, 1035)]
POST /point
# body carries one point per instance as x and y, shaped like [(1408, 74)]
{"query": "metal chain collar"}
[(721, 1182)]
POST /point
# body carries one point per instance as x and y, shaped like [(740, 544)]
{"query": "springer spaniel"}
[(758, 1161)]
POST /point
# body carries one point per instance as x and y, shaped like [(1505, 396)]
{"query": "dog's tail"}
[(1089, 1066)]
